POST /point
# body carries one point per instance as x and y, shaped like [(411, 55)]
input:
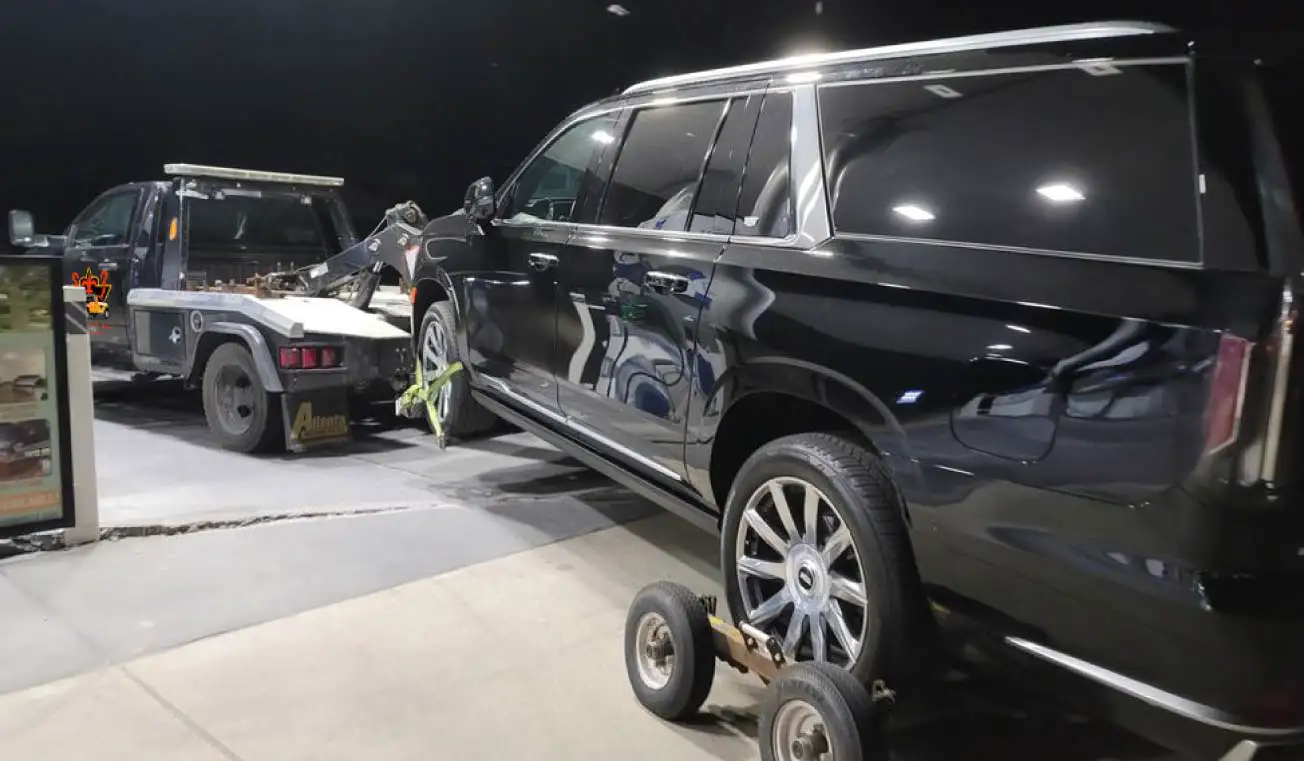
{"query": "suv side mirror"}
[(479, 202), (22, 229)]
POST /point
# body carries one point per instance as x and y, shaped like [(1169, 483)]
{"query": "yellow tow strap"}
[(425, 394)]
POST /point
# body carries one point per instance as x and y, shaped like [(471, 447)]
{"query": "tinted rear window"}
[(1085, 160), (245, 224)]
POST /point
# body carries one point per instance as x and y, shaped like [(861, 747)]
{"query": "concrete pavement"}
[(518, 657), (159, 466), (459, 604)]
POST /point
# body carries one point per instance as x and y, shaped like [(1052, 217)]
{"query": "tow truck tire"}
[(464, 417), (255, 426)]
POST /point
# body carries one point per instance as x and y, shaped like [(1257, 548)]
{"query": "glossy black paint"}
[(1042, 412)]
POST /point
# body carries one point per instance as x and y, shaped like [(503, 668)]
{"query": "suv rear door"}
[(633, 284)]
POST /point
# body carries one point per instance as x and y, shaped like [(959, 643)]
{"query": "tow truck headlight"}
[(311, 357)]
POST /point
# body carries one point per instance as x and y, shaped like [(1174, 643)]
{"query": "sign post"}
[(81, 406), (36, 477)]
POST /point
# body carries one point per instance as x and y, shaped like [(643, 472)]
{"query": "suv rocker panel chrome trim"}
[(694, 514), (582, 429), (1149, 693)]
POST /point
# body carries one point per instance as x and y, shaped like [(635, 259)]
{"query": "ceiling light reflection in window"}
[(914, 213), (1060, 192)]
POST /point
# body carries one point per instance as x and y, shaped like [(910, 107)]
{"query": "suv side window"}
[(717, 200), (549, 187), (107, 221), (765, 203), (659, 166), (1095, 160)]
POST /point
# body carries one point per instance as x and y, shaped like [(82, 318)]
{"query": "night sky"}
[(405, 98)]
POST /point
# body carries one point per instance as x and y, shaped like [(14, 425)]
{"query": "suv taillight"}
[(1226, 393), (311, 357)]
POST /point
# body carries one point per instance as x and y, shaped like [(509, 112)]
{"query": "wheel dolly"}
[(811, 710)]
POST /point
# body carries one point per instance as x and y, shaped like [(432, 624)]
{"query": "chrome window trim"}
[(1148, 693), (725, 93), (1284, 334), (647, 232), (812, 215), (1034, 36), (1083, 65), (1169, 263)]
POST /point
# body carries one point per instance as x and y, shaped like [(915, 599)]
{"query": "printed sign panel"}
[(35, 451)]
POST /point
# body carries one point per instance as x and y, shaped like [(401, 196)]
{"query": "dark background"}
[(412, 98)]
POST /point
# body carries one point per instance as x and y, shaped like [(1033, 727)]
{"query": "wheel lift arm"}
[(388, 244)]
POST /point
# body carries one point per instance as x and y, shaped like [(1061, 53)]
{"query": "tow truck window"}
[(247, 224), (107, 222)]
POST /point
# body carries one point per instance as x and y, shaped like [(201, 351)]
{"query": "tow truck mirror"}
[(22, 229), (479, 202)]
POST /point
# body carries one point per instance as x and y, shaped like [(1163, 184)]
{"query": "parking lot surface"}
[(473, 609)]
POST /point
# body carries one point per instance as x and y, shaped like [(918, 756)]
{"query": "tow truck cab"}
[(204, 227), (170, 270)]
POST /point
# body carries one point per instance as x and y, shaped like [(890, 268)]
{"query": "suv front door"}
[(99, 257), (511, 304), (633, 285)]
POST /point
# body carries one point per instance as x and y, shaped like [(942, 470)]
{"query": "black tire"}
[(265, 429), (852, 725), (864, 496), (692, 670), (465, 417)]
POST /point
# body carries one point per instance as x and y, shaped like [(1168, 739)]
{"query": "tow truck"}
[(251, 287)]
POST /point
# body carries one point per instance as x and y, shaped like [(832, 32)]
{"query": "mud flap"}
[(315, 418)]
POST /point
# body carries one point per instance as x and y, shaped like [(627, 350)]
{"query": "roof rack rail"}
[(1063, 33), (250, 175)]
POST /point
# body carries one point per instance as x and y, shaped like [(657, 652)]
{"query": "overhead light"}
[(604, 137), (1000, 347), (914, 213), (1060, 192), (617, 10), (1018, 328)]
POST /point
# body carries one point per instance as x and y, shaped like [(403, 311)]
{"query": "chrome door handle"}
[(665, 282), (542, 262)]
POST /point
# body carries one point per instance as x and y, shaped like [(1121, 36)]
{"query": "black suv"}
[(976, 347)]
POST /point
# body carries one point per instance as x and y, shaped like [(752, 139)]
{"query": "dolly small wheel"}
[(669, 650), (819, 711)]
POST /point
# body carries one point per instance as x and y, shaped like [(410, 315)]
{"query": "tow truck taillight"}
[(311, 357), (1226, 393)]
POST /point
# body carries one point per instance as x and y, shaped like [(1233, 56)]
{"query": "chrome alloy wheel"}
[(799, 574), (434, 360)]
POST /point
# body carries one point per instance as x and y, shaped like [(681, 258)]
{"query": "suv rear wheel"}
[(458, 413), (814, 551)]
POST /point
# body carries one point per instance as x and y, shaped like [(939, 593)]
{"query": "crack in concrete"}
[(53, 540)]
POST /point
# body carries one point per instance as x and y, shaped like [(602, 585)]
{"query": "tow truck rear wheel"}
[(459, 414), (243, 415)]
